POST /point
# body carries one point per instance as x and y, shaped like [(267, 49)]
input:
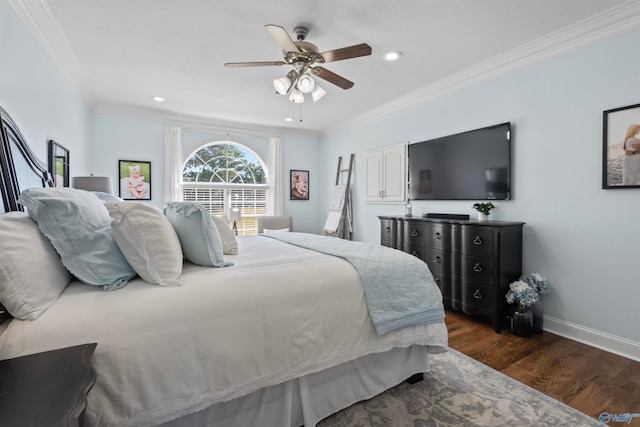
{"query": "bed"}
[(285, 336)]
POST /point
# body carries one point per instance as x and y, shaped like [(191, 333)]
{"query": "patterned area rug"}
[(458, 391)]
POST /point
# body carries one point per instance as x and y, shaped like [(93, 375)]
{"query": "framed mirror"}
[(59, 164)]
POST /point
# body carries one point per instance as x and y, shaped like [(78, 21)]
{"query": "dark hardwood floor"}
[(586, 378)]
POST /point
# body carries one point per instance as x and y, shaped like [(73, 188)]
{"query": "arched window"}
[(224, 175)]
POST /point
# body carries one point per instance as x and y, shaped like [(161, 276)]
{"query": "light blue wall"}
[(36, 96), (115, 138), (583, 238)]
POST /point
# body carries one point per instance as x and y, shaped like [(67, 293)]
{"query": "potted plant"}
[(541, 286), (483, 210)]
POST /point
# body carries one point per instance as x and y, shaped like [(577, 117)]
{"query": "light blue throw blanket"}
[(399, 288)]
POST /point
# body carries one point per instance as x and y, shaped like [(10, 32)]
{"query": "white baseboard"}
[(611, 343)]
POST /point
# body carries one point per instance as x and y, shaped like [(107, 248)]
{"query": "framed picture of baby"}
[(135, 180), (621, 148), (299, 188)]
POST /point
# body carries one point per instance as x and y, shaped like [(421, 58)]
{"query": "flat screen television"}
[(473, 165)]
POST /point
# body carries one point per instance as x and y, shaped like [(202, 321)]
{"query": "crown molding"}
[(39, 20), (608, 24), (202, 123)]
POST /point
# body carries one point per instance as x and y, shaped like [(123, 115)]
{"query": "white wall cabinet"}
[(386, 174)]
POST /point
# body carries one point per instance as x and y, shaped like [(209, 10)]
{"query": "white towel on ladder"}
[(336, 205)]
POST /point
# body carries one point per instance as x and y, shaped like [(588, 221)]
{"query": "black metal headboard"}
[(19, 167)]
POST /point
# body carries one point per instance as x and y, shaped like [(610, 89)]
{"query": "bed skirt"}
[(309, 399)]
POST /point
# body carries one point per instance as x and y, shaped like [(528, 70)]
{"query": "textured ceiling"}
[(120, 53)]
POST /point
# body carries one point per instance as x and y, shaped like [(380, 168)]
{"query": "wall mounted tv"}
[(473, 165)]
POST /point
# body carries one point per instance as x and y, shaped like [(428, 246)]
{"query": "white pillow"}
[(199, 237), (280, 230), (31, 273), (78, 226), (148, 242), (229, 242)]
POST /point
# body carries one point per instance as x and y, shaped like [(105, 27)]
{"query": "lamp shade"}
[(296, 96), (234, 214), (317, 93), (93, 183), (306, 84)]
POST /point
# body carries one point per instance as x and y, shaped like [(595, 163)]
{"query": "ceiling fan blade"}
[(354, 51), (282, 38), (332, 77), (253, 64)]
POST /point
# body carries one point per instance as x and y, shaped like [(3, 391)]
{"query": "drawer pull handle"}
[(388, 229), (477, 240), (436, 259), (437, 236), (438, 282), (477, 294), (477, 268), (415, 233), (415, 253)]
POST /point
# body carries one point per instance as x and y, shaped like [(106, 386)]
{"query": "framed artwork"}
[(621, 147), (58, 164), (135, 180), (299, 188)]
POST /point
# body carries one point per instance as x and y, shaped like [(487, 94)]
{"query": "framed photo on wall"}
[(621, 147), (135, 180), (299, 188), (58, 164)]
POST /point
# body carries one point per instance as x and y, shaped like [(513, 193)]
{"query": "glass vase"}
[(537, 317), (522, 322)]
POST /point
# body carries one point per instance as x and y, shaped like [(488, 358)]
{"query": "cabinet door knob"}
[(477, 240), (437, 236), (436, 259), (477, 294), (415, 233), (477, 268)]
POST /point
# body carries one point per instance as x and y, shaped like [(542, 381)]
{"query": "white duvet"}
[(280, 312)]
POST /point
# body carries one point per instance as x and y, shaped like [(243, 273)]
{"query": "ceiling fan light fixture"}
[(283, 84), (306, 84), (296, 96), (317, 93)]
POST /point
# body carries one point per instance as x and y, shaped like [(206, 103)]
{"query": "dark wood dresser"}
[(47, 389), (472, 262)]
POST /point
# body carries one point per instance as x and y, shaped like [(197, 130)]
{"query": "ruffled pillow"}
[(79, 227)]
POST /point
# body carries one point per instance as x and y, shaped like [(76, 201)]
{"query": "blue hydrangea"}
[(537, 282), (522, 293)]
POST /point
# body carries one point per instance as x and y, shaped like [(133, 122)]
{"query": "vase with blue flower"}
[(525, 296), (541, 285)]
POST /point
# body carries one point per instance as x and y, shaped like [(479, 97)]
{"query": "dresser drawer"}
[(387, 232), (439, 262), (476, 269), (477, 242), (477, 295), (439, 237), (414, 233), (416, 251)]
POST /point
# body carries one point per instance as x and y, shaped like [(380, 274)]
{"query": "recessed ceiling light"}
[(392, 56), (158, 98), (288, 119)]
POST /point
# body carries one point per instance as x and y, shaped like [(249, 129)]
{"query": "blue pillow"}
[(78, 226), (198, 234)]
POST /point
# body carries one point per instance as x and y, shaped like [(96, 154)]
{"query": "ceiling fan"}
[(302, 55)]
